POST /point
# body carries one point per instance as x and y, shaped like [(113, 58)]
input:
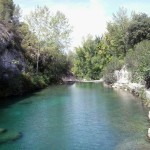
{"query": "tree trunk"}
[(37, 62)]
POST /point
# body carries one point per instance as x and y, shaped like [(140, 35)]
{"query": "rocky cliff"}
[(12, 62), (11, 59)]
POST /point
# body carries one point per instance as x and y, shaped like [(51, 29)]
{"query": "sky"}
[(86, 16)]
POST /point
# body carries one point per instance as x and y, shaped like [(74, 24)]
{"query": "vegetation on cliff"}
[(32, 53)]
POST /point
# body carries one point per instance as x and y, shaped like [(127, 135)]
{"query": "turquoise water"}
[(82, 116)]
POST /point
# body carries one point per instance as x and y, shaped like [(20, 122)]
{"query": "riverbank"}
[(123, 81), (91, 81), (136, 89), (73, 79), (139, 91)]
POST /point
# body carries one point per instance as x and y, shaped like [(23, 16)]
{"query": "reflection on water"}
[(82, 116)]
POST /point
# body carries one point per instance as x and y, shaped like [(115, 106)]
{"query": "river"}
[(82, 116)]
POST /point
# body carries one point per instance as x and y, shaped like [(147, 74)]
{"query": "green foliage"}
[(138, 61), (87, 60), (42, 41), (114, 64), (54, 65), (17, 14), (71, 59), (6, 10), (123, 34), (124, 39), (91, 58), (36, 82), (29, 43), (26, 82), (46, 35), (51, 30), (116, 33), (139, 29)]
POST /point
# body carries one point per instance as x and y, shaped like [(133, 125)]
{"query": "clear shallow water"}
[(83, 116)]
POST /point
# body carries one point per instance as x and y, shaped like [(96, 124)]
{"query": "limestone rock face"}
[(148, 132), (149, 114), (123, 75), (12, 61)]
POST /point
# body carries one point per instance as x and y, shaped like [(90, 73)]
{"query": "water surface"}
[(83, 116)]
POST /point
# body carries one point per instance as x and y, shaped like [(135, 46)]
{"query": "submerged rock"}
[(2, 130), (6, 136), (24, 102)]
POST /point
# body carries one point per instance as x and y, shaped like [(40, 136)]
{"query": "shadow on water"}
[(6, 102)]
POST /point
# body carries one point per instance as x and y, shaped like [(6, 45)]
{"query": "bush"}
[(33, 81), (114, 64), (138, 61), (109, 78)]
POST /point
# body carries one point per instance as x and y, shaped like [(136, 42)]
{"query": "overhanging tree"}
[(51, 30)]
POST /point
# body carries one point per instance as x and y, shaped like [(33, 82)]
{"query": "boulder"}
[(2, 130)]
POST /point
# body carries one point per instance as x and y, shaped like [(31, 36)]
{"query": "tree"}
[(116, 33), (16, 14), (139, 29), (28, 43), (6, 10), (51, 30), (71, 59), (87, 60), (60, 31), (138, 62)]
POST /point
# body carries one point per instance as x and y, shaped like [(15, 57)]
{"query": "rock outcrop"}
[(12, 61), (123, 77)]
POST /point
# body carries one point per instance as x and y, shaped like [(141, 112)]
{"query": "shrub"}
[(114, 64), (138, 61)]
